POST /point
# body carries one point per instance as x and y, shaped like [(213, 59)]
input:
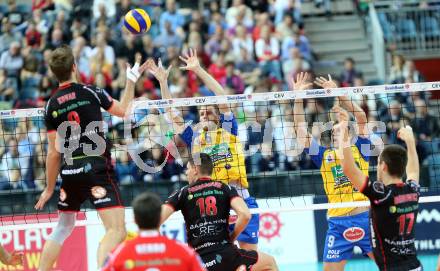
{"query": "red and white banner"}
[(31, 241)]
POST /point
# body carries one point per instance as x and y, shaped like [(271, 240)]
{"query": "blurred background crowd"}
[(248, 46)]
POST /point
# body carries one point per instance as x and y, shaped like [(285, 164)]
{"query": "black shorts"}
[(90, 178), (229, 257)]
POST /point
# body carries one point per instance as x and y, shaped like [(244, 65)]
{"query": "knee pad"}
[(65, 226)]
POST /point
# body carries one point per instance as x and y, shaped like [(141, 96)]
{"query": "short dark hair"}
[(350, 59), (202, 161), (61, 62), (147, 208), (396, 158)]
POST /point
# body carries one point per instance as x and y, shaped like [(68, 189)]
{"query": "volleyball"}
[(137, 21)]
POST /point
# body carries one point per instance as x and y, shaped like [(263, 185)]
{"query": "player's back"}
[(149, 251), (393, 217), (205, 206), (80, 107)]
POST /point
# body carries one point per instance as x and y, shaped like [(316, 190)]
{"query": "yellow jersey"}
[(337, 186), (224, 148)]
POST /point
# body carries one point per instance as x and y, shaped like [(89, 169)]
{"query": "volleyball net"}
[(148, 155)]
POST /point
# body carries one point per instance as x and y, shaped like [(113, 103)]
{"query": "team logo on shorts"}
[(354, 234), (99, 192), (63, 195)]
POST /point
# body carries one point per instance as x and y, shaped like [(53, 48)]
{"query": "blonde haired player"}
[(339, 244)]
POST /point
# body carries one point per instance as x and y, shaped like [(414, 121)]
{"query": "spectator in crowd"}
[(397, 75), (232, 82), (168, 37), (267, 50), (171, 16), (12, 61), (349, 73), (290, 7), (299, 41), (15, 16), (8, 36), (248, 67), (104, 7), (242, 40), (239, 10), (425, 125), (411, 72), (126, 169), (286, 28), (103, 47), (217, 21), (56, 39), (7, 87), (218, 68), (295, 64)]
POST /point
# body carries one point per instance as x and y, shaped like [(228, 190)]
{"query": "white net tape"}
[(255, 97)]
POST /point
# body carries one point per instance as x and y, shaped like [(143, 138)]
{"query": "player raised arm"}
[(347, 104), (121, 108), (161, 74), (193, 64), (354, 174), (412, 166), (301, 83), (243, 216)]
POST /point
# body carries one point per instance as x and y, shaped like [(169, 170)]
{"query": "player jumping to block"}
[(205, 204), (216, 136), (339, 244), (75, 128), (394, 203)]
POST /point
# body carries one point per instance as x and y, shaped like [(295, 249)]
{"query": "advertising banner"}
[(31, 241)]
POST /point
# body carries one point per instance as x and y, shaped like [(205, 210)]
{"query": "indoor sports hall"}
[(284, 67)]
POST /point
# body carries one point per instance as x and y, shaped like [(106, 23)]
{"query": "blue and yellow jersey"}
[(337, 186), (225, 149)]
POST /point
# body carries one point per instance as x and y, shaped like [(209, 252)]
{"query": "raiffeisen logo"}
[(395, 87), (237, 98), (316, 92)]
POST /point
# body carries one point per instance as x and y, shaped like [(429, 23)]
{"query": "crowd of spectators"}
[(249, 47)]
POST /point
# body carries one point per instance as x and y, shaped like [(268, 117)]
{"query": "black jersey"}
[(393, 218), (205, 206), (74, 111)]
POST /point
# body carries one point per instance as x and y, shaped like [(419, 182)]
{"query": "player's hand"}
[(301, 82), (158, 71), (406, 134), (343, 115), (15, 258), (135, 72), (45, 197), (191, 60), (325, 83)]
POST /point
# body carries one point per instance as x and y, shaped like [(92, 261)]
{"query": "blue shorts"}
[(343, 234), (250, 233)]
